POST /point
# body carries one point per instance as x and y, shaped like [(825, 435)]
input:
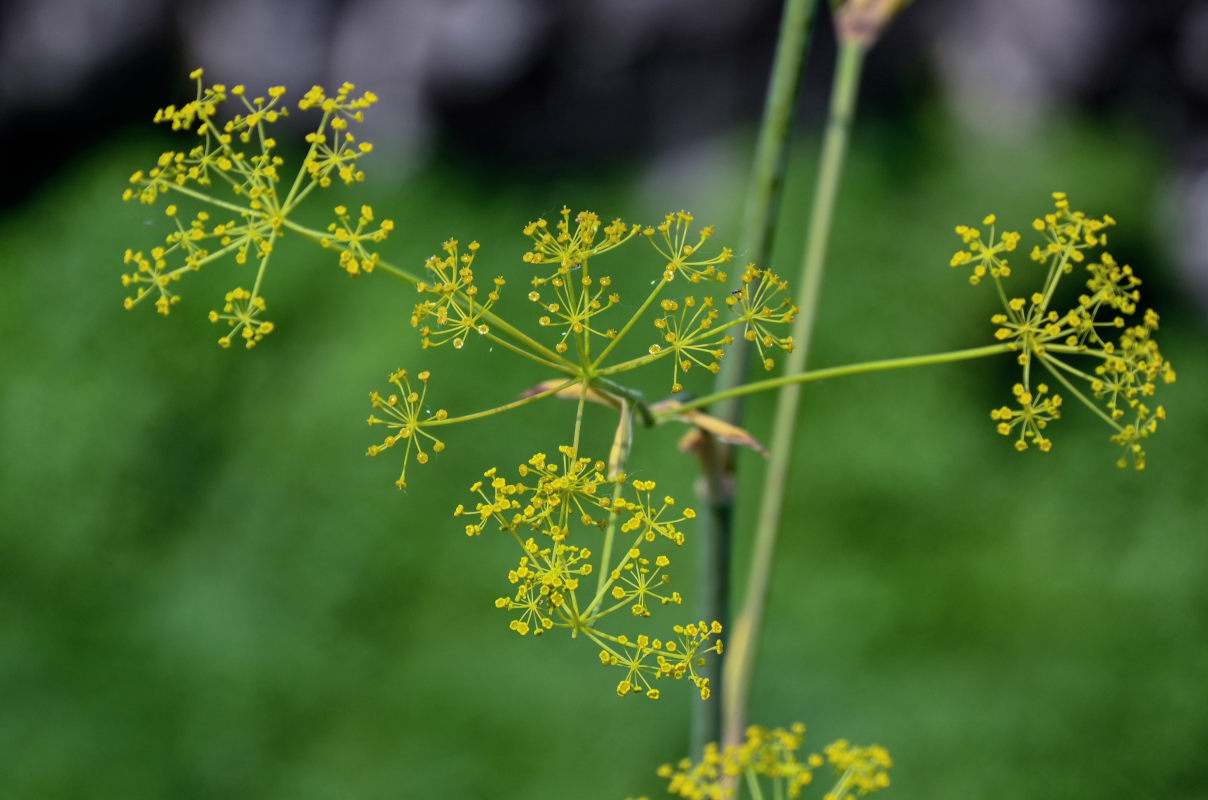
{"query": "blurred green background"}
[(206, 589)]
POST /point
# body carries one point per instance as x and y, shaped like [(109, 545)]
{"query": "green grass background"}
[(206, 589)]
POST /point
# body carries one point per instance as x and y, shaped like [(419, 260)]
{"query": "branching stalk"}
[(809, 376), (500, 409)]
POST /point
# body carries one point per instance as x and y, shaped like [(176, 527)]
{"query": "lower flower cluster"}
[(548, 510), (771, 756)]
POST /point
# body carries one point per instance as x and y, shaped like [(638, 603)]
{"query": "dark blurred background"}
[(206, 590)]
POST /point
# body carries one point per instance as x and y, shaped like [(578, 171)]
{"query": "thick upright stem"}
[(762, 204), (744, 635), (767, 175)]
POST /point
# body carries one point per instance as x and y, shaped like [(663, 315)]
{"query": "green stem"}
[(500, 409), (771, 161), (298, 198), (217, 254), (635, 398), (272, 237), (584, 299), (557, 360), (292, 198), (1055, 273), (1078, 350), (812, 375), (1067, 367), (609, 580), (625, 329), (520, 351), (634, 363), (1051, 365), (579, 416), (834, 149), (610, 534), (618, 460), (744, 634), (753, 785), (759, 222), (640, 361), (205, 198)]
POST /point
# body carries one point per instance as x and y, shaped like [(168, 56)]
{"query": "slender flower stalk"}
[(859, 368), (529, 348)]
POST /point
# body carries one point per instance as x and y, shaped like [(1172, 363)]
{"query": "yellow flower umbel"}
[(685, 332), (233, 173), (679, 251), (570, 249), (771, 756), (355, 257), (760, 303), (407, 417), (458, 309), (1073, 345), (240, 313), (548, 512), (860, 770), (577, 298)]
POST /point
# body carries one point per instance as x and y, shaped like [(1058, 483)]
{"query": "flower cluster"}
[(547, 511), (772, 755), (685, 330), (1033, 414), (577, 299), (570, 249), (458, 310), (763, 301), (674, 231), (1074, 345), (244, 204), (407, 416), (241, 314), (573, 300), (355, 257), (552, 506), (233, 174), (334, 148), (861, 770)]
